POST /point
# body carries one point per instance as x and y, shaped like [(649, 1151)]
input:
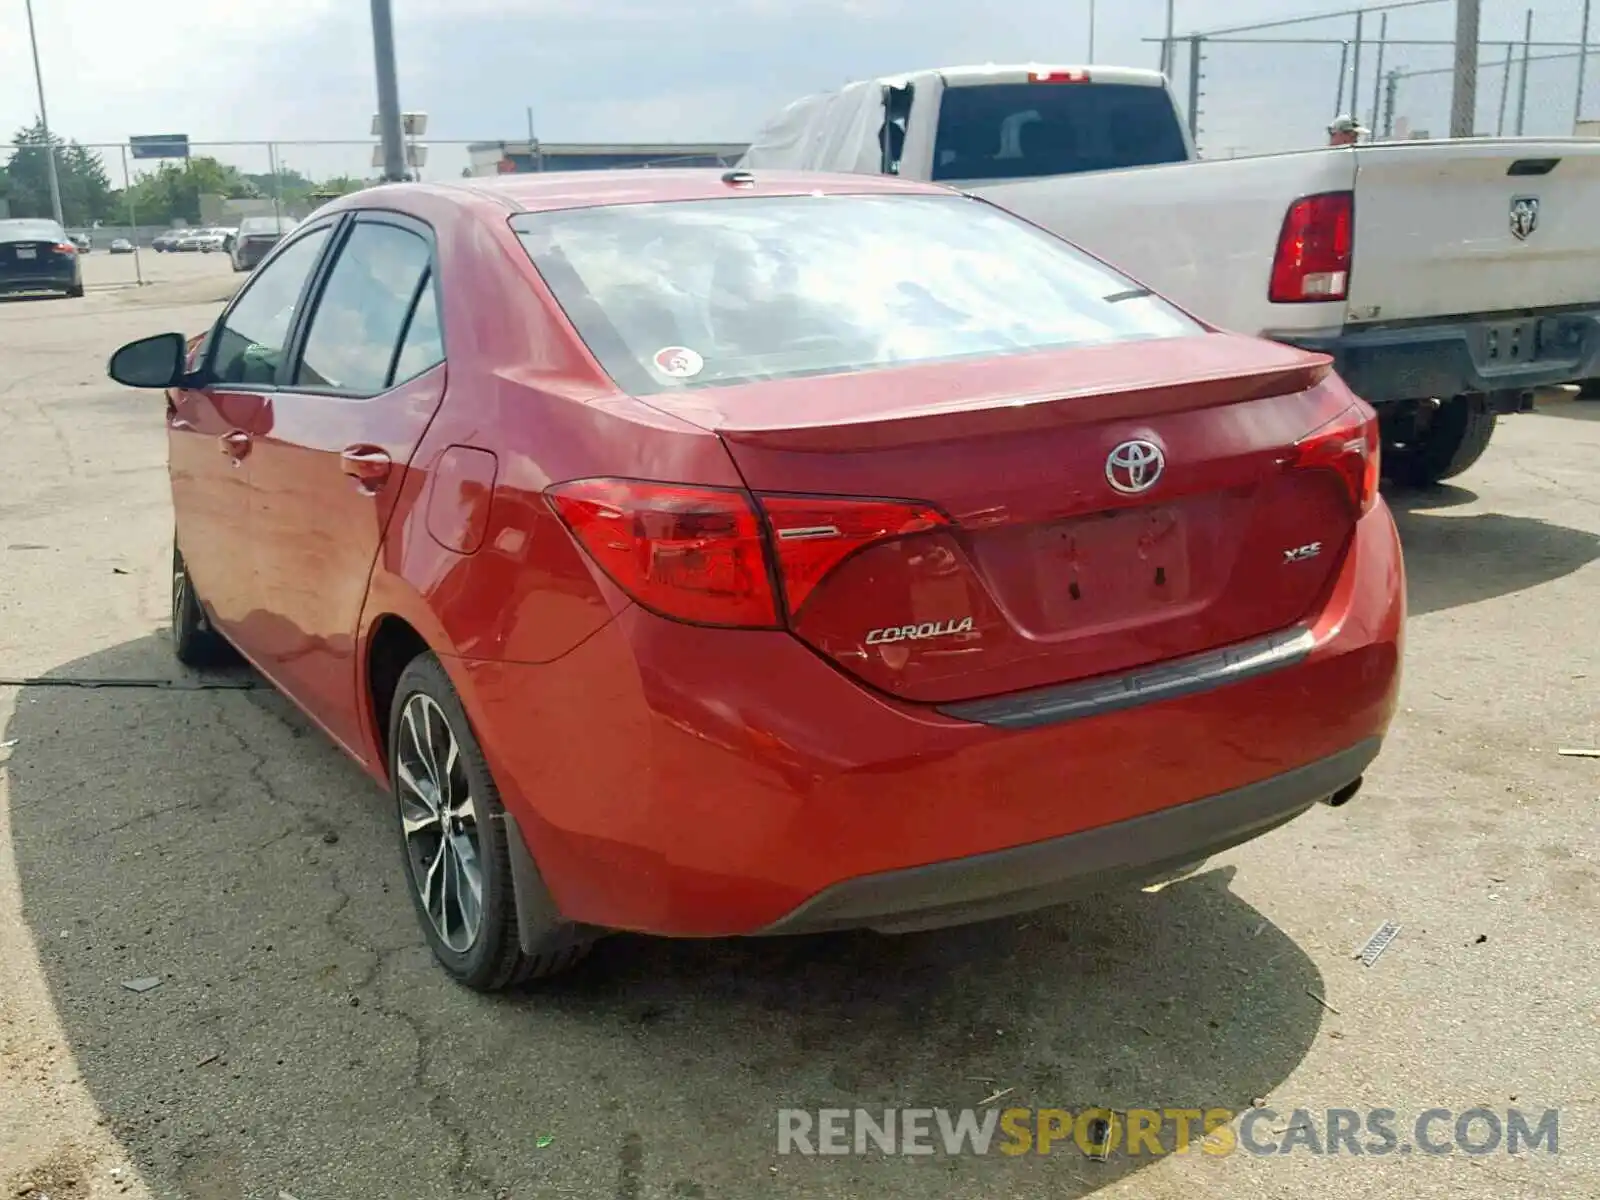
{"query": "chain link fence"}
[(1278, 86), (108, 192)]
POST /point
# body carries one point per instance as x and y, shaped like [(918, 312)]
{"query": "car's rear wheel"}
[(1439, 443), (75, 292), (194, 641), (454, 840)]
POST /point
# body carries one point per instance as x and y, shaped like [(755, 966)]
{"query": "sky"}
[(648, 70)]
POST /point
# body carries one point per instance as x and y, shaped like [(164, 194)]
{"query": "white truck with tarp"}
[(1450, 280)]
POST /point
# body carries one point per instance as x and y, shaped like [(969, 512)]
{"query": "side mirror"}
[(153, 362)]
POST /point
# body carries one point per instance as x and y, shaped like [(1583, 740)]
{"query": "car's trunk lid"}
[(1064, 558)]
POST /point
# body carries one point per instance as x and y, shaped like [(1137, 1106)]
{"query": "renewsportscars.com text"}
[(1156, 1132)]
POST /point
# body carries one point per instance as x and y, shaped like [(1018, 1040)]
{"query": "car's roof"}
[(543, 191)]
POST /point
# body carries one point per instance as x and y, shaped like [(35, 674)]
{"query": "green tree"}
[(172, 192), (290, 185), (341, 185), (86, 194)]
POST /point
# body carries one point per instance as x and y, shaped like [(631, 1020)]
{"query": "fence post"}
[(1527, 60), (1194, 91), (272, 165), (1505, 90), (1583, 62), (1377, 76), (1355, 74), (1391, 97), (133, 216)]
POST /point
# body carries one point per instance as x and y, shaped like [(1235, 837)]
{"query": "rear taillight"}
[(64, 248), (813, 534), (700, 554), (1313, 260), (691, 553), (1349, 447), (1058, 77)]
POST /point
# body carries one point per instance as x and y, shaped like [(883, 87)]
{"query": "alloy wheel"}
[(439, 818)]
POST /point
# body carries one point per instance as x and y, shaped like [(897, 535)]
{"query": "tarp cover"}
[(832, 131)]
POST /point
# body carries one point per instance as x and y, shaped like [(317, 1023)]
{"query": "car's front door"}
[(366, 378), (211, 431)]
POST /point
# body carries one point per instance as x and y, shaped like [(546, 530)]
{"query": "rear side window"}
[(358, 323), (423, 345), (689, 294), (1025, 130)]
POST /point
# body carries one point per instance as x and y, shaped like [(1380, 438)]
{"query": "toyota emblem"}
[(1134, 467)]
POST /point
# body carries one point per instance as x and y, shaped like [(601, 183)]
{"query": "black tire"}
[(193, 640), (1454, 439), (1589, 389), (487, 955), (75, 292)]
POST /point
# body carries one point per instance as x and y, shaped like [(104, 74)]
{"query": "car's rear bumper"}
[(689, 781), (249, 256), (1137, 851), (13, 283), (1440, 359)]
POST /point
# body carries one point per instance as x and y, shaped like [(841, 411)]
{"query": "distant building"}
[(513, 158)]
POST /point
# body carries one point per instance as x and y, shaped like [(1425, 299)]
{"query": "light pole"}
[(390, 128), (44, 122), (1464, 86), (1091, 32)]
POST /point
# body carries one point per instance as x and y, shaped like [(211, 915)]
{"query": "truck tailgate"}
[(1481, 226)]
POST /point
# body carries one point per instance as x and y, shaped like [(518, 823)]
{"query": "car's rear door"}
[(211, 431), (364, 381)]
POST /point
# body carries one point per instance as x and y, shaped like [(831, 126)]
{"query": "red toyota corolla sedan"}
[(711, 554)]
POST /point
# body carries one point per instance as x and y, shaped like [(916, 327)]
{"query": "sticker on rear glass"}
[(679, 362)]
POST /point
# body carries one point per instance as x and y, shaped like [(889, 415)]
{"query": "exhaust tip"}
[(1345, 794)]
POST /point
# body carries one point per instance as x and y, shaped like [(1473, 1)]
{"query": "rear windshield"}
[(1024, 130), (31, 231), (694, 293)]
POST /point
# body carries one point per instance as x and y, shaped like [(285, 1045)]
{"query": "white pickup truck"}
[(1447, 279)]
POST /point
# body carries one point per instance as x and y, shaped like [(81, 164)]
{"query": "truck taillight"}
[(1349, 446), (1312, 265), (700, 554), (1058, 77)]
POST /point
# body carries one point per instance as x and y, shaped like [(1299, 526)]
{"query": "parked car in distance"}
[(256, 236), (192, 241), (121, 246), (37, 256), (709, 554), (83, 242), (218, 239), (166, 243)]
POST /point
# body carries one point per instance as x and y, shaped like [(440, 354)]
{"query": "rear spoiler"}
[(946, 402)]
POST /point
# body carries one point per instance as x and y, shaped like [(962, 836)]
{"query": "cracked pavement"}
[(302, 1042)]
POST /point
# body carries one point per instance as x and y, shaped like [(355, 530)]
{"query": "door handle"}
[(367, 465), (235, 445)]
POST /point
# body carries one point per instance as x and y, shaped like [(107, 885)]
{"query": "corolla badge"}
[(1134, 467)]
